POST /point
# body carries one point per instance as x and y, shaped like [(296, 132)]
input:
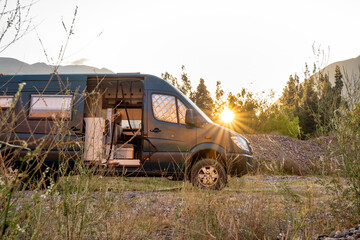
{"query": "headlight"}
[(240, 142)]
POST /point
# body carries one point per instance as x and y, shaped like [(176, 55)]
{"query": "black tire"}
[(208, 174)]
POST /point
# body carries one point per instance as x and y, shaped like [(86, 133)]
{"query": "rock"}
[(332, 234), (322, 236), (350, 234), (338, 234)]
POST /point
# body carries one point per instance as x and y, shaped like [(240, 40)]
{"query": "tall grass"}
[(345, 180), (81, 205)]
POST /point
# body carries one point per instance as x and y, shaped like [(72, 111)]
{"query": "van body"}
[(136, 123)]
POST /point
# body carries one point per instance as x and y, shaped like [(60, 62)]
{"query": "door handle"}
[(155, 130)]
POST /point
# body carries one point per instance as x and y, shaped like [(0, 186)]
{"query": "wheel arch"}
[(206, 150)]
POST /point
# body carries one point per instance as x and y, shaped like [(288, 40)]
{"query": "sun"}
[(227, 115)]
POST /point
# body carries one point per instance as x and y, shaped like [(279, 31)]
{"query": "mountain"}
[(350, 67), (14, 66), (350, 70)]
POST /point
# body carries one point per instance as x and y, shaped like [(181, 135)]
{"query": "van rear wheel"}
[(208, 174)]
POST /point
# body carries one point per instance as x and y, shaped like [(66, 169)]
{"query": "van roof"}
[(132, 74), (150, 81)]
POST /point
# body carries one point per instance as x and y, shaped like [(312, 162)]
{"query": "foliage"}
[(347, 135), (245, 106), (304, 110), (219, 103), (354, 119), (307, 108), (185, 86), (338, 85), (314, 101), (202, 98), (292, 93), (279, 121)]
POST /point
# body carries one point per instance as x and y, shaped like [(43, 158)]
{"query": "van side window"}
[(164, 108), (182, 111), (6, 101), (50, 106)]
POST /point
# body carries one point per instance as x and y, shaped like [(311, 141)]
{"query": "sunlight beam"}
[(227, 115)]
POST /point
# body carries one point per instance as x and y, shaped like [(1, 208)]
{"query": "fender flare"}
[(207, 146)]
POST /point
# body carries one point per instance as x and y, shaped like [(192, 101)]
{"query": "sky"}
[(253, 44)]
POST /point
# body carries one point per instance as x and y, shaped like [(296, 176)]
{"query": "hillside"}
[(350, 70), (14, 66), (350, 67)]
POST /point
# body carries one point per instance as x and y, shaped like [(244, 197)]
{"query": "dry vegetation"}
[(266, 204), (95, 207)]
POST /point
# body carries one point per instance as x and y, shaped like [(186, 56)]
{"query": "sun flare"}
[(227, 115)]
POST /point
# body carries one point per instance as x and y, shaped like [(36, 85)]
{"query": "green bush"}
[(282, 123)]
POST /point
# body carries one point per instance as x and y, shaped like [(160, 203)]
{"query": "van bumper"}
[(239, 164)]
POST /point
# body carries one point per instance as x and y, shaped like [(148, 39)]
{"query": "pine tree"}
[(338, 85), (202, 98), (291, 93), (325, 104), (308, 108), (219, 103), (186, 87)]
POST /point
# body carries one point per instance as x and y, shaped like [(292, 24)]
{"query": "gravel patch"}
[(298, 156), (348, 234)]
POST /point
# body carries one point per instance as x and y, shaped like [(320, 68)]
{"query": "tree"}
[(202, 98), (219, 103), (245, 105), (308, 108), (186, 87), (292, 93), (338, 85), (170, 79), (15, 21), (325, 104)]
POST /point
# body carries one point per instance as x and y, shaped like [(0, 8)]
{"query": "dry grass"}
[(251, 207), (87, 206)]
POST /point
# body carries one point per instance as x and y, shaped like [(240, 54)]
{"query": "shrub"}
[(279, 121)]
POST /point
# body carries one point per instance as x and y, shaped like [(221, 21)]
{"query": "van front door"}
[(170, 139)]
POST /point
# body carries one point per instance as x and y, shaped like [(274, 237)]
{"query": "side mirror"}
[(189, 117)]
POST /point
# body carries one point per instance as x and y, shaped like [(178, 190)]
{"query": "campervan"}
[(126, 123)]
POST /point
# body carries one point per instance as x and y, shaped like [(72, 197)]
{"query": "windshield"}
[(193, 105)]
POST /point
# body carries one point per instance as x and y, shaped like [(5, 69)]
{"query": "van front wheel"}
[(208, 174)]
